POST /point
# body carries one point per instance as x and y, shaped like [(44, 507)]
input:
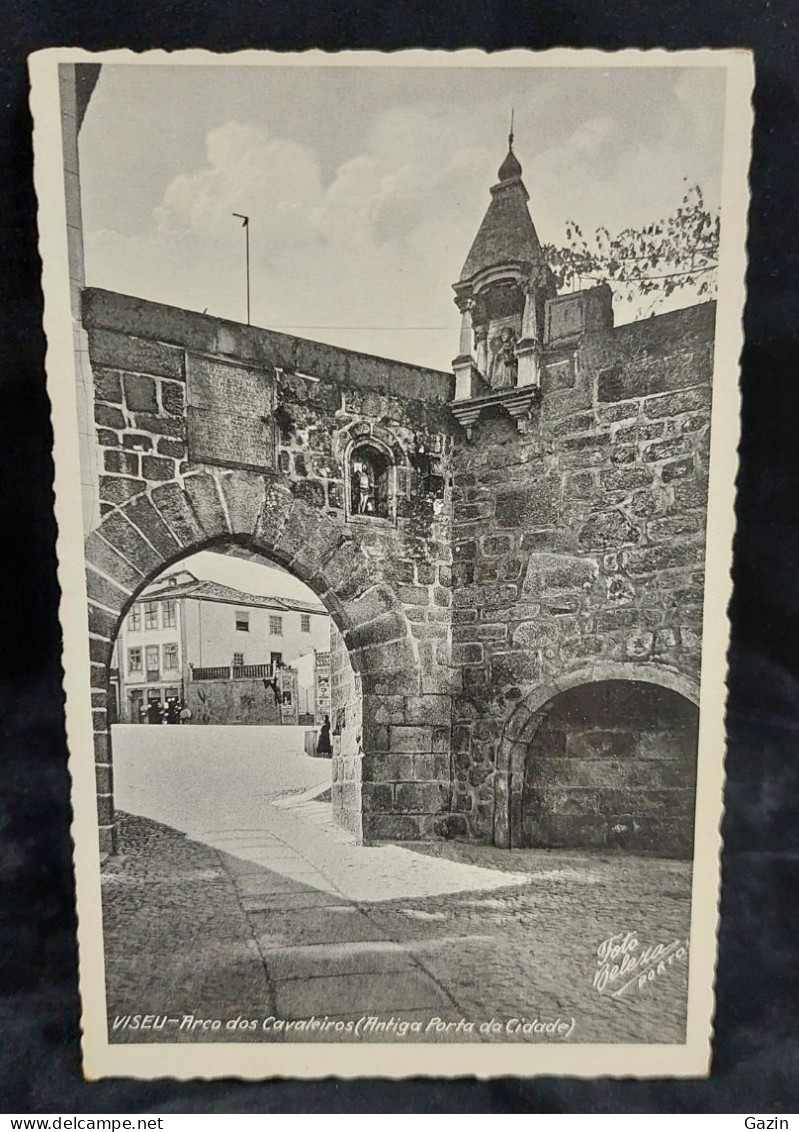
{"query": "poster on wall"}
[(322, 686), (409, 383)]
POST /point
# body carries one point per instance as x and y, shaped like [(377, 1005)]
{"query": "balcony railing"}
[(233, 672)]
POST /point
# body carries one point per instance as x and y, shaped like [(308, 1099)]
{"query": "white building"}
[(183, 629)]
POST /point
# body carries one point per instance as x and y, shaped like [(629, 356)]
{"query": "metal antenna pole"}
[(245, 223)]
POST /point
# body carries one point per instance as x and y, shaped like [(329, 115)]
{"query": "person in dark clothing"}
[(154, 711), (323, 747)]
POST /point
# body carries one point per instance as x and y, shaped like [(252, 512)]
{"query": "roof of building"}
[(507, 234), (215, 591)]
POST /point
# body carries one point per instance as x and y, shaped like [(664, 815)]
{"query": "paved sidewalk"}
[(175, 935), (287, 919)]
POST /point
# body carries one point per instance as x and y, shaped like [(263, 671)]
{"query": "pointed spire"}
[(510, 167), (507, 233)]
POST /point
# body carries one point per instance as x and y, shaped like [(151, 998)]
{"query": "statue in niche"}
[(362, 488), (369, 482), (504, 369)]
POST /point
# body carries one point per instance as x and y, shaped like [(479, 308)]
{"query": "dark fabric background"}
[(756, 1046)]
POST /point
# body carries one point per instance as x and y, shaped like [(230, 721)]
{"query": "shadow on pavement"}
[(221, 948)]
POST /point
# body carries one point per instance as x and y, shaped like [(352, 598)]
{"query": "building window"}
[(276, 626), (134, 619), (152, 660), (370, 482), (170, 656), (172, 693), (151, 615), (276, 660), (305, 623), (134, 660), (238, 659), (242, 621), (169, 614)]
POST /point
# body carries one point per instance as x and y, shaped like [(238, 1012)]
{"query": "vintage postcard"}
[(396, 407)]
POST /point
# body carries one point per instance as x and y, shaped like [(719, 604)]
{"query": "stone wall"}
[(226, 702), (514, 564), (579, 542), (346, 725)]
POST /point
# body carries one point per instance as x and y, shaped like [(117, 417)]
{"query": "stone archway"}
[(137, 541), (604, 758)]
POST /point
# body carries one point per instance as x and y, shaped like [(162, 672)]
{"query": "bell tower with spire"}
[(501, 293)]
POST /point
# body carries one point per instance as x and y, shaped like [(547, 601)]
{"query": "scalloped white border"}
[(399, 1059)]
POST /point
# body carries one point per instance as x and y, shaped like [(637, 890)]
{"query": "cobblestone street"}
[(248, 904)]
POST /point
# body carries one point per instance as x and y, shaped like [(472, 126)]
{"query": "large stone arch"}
[(524, 721), (138, 540)]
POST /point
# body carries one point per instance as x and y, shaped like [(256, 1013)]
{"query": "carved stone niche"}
[(504, 369)]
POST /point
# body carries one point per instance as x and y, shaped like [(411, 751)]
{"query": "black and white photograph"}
[(396, 410)]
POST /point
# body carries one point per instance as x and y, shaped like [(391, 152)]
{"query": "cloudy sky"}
[(366, 185)]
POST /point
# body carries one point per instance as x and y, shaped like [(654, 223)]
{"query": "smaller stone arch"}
[(526, 713), (555, 782)]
